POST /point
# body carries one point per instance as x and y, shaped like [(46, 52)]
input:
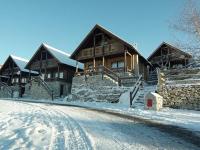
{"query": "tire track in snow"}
[(77, 138)]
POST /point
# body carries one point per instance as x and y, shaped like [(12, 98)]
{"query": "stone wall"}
[(4, 93), (96, 89), (181, 96), (37, 91)]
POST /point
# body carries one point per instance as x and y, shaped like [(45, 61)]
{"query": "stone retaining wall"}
[(4, 93), (182, 96), (37, 91), (96, 89)]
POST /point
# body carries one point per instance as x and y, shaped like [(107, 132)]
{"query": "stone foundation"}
[(94, 88), (181, 96), (37, 91), (4, 93)]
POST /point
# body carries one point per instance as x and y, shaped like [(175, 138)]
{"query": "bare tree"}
[(187, 27)]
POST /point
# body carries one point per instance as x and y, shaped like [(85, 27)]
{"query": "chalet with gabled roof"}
[(102, 48), (169, 56), (54, 67), (13, 73)]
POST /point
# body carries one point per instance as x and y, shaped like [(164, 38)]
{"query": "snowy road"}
[(41, 126)]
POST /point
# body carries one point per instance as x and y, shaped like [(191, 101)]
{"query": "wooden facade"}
[(13, 73), (102, 48), (54, 67), (168, 56), (49, 66)]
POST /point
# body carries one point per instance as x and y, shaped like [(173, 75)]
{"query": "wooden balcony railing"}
[(108, 49)]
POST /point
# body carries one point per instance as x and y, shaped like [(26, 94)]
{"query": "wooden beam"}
[(103, 39), (94, 63), (131, 59), (125, 61), (58, 71), (76, 66), (103, 61), (133, 63), (94, 45), (137, 63), (45, 66), (40, 63)]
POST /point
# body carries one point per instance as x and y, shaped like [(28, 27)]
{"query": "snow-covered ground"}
[(25, 125), (188, 119)]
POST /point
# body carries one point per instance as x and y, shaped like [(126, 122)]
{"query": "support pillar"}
[(137, 63), (125, 61), (76, 66), (58, 71), (94, 64), (133, 63), (103, 61)]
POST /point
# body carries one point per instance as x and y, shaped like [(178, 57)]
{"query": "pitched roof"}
[(61, 56), (169, 45), (112, 35), (20, 62)]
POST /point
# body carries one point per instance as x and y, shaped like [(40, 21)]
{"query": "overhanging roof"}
[(61, 56), (169, 45), (110, 34)]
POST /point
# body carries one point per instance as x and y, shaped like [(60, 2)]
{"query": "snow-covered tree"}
[(187, 28)]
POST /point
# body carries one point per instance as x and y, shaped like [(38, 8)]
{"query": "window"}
[(42, 76), (13, 80), (17, 80), (56, 75), (48, 75), (120, 64), (117, 64), (23, 80), (114, 65), (61, 75), (90, 66)]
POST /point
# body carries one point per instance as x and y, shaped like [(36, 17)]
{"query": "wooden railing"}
[(135, 89), (9, 88), (45, 85), (108, 49), (111, 74)]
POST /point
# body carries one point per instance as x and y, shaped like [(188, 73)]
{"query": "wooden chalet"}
[(168, 56), (53, 65), (13, 73), (101, 48)]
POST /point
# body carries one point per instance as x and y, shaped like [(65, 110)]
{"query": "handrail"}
[(10, 90), (111, 74), (45, 85), (135, 89)]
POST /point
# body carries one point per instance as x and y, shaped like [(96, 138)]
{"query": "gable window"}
[(117, 64)]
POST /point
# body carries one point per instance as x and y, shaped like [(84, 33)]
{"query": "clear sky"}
[(25, 24)]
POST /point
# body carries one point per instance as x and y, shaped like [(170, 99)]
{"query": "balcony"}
[(108, 50), (45, 63)]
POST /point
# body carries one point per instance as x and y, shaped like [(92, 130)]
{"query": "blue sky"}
[(25, 24)]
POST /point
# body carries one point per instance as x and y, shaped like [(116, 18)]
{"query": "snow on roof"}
[(21, 63), (63, 57)]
